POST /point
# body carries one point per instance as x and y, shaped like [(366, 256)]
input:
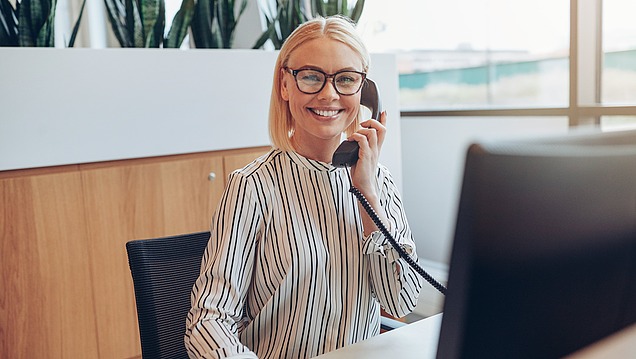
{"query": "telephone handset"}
[(347, 153)]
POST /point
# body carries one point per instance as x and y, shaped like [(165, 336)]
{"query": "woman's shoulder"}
[(259, 163)]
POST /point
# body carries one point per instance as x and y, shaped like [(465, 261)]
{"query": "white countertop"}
[(414, 341)]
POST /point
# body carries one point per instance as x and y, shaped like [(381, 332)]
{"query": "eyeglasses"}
[(311, 81)]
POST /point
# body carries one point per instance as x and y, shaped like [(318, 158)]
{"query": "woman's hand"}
[(370, 139)]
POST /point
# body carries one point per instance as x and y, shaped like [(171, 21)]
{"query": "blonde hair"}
[(338, 28)]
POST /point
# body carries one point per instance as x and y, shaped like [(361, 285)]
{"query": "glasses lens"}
[(348, 82), (310, 81)]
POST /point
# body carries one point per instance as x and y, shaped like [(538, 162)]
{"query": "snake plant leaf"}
[(71, 42), (289, 15), (160, 25), (46, 35), (269, 33), (25, 34), (135, 24), (270, 29), (357, 11), (205, 28), (35, 23), (180, 24), (227, 20), (8, 24), (116, 16), (326, 8), (152, 16), (318, 7), (130, 7)]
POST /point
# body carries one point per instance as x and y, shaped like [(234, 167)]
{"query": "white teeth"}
[(326, 113)]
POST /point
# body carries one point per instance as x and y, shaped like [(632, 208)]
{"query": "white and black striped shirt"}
[(288, 272)]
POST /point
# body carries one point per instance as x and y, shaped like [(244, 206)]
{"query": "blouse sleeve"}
[(395, 283), (219, 292)]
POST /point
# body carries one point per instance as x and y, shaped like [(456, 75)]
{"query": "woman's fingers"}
[(375, 131)]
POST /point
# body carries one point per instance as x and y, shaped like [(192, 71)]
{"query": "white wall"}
[(67, 106), (433, 151)]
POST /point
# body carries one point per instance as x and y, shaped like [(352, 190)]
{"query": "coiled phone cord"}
[(396, 246)]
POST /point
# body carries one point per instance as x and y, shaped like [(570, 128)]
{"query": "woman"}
[(295, 267)]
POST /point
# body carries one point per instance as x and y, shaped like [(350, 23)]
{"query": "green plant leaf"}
[(134, 25), (152, 17), (46, 35), (357, 11), (266, 35), (71, 42), (116, 16), (129, 22), (227, 20), (318, 8), (337, 7), (35, 22), (8, 24), (180, 24), (25, 35), (202, 22)]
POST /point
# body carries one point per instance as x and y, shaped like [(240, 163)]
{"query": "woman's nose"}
[(329, 90)]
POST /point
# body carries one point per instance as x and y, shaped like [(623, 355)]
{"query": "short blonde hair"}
[(338, 28)]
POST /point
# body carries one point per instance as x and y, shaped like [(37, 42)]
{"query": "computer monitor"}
[(544, 256)]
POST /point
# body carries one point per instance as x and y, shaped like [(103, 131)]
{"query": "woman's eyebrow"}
[(313, 67)]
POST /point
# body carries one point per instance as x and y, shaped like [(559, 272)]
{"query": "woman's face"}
[(320, 118)]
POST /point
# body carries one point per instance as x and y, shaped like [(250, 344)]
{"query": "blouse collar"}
[(310, 164)]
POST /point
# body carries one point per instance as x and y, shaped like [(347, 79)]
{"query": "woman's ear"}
[(284, 92)]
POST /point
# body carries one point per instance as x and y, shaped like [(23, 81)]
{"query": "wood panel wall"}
[(66, 289)]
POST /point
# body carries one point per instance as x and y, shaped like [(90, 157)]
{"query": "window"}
[(498, 57), (474, 53)]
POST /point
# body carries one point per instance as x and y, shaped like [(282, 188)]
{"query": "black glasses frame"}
[(327, 76)]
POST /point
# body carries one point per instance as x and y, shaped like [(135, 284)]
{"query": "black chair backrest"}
[(164, 271)]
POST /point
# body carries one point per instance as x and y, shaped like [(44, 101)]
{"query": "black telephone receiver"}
[(346, 154)]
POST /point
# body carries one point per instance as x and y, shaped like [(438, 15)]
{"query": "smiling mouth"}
[(325, 113)]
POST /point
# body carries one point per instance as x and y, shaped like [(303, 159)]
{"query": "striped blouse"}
[(288, 273)]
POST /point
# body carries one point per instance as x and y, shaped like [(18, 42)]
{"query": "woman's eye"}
[(346, 80), (311, 77)]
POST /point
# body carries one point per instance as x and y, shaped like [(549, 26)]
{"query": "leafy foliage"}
[(180, 24), (137, 23), (31, 23), (289, 14), (214, 23), (326, 8), (141, 23)]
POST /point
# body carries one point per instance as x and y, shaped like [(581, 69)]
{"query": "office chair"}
[(164, 271)]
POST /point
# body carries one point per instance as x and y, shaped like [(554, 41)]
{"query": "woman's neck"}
[(322, 152)]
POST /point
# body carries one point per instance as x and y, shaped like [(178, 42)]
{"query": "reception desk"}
[(419, 341), (414, 341)]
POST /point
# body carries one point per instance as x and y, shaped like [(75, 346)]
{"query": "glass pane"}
[(474, 53), (618, 84), (618, 123)]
